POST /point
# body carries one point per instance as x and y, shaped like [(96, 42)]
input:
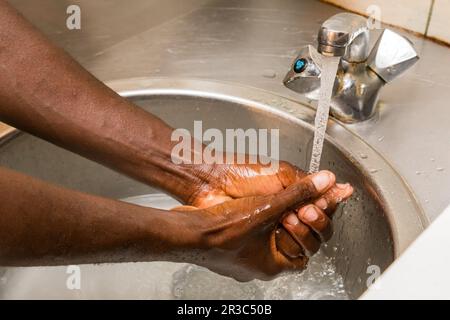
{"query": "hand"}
[(306, 225), (238, 237)]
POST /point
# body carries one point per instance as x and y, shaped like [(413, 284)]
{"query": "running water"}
[(329, 69)]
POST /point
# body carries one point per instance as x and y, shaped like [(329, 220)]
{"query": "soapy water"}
[(327, 77), (166, 280)]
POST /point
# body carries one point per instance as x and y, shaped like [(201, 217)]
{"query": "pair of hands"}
[(257, 223), (250, 222)]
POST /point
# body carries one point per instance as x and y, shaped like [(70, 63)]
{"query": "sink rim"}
[(406, 218)]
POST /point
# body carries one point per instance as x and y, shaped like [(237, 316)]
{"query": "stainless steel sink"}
[(372, 229)]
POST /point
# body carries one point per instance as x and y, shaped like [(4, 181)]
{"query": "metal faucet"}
[(360, 75)]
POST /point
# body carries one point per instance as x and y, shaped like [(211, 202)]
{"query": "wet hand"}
[(241, 237), (307, 225)]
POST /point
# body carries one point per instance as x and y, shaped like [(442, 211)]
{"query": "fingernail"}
[(292, 219), (322, 203), (321, 180), (342, 186), (310, 214)]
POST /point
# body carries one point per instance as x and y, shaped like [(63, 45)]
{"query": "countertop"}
[(253, 43)]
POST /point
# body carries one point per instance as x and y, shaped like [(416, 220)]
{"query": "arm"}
[(42, 224), (45, 92)]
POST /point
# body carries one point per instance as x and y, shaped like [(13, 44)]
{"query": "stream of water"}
[(329, 69)]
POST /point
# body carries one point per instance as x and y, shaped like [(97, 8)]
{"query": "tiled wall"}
[(427, 17), (439, 26)]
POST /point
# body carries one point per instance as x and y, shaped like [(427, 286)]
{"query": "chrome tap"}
[(360, 75)]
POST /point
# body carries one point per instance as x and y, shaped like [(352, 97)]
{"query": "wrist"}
[(175, 230), (175, 236)]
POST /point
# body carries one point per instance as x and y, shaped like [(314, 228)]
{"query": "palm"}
[(228, 182)]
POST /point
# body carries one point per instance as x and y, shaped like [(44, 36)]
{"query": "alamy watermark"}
[(73, 281), (374, 272), (73, 21), (250, 146), (373, 17)]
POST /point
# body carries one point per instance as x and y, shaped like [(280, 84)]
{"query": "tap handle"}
[(345, 35), (391, 55)]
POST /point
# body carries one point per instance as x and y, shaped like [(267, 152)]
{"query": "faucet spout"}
[(344, 35)]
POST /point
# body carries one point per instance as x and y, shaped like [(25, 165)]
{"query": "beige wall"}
[(427, 17)]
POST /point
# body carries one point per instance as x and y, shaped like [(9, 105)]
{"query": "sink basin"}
[(371, 230)]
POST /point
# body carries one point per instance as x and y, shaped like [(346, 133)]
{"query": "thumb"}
[(306, 189)]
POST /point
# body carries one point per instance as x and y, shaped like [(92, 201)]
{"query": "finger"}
[(284, 261), (337, 194), (301, 233), (250, 180), (208, 198), (317, 220), (309, 187), (268, 210), (260, 180), (184, 208), (286, 244), (289, 174), (271, 208)]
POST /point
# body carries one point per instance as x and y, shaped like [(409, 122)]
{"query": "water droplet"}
[(373, 170), (269, 73), (363, 155), (418, 172), (381, 138), (432, 159), (440, 169)]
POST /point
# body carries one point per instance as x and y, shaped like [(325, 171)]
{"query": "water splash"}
[(319, 281), (327, 77)]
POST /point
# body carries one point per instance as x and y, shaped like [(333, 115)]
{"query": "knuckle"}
[(309, 190)]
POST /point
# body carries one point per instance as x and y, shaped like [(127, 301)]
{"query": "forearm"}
[(42, 224), (45, 92)]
